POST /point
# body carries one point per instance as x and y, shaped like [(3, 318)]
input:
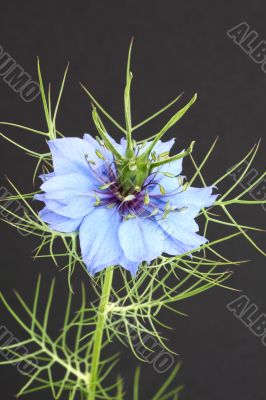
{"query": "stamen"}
[(129, 216), (99, 154), (106, 186), (94, 170), (154, 156), (146, 198), (89, 161), (180, 180), (164, 155), (98, 201), (169, 175), (154, 212), (167, 209), (162, 189), (112, 205), (130, 197), (185, 186)]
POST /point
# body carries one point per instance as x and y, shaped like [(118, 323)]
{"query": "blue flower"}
[(124, 213)]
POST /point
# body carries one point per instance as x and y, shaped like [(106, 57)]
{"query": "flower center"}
[(132, 173), (130, 198), (131, 203)]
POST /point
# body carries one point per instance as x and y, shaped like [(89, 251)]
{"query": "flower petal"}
[(99, 238), (169, 185), (68, 195), (196, 198), (131, 266), (46, 177), (141, 239), (70, 155), (173, 167), (122, 261), (175, 247), (106, 153), (58, 222), (159, 148), (77, 207), (63, 187), (180, 229), (192, 196)]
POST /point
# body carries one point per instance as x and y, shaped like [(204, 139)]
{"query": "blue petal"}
[(141, 239), (131, 266), (75, 208), (70, 155), (39, 196), (180, 232), (181, 226), (99, 241), (123, 144), (175, 247), (163, 147), (68, 195), (192, 196), (106, 153), (173, 167), (159, 148), (122, 261), (63, 187), (58, 222), (171, 185), (46, 177)]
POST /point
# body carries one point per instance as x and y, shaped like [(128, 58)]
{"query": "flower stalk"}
[(99, 331)]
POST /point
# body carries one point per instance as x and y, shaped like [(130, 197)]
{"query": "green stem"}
[(98, 336)]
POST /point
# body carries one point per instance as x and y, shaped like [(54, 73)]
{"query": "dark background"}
[(179, 46)]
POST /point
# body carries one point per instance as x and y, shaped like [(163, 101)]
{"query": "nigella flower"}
[(127, 202)]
